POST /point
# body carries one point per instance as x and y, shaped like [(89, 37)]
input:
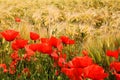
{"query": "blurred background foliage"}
[(86, 21)]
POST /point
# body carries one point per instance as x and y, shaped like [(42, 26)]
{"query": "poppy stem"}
[(48, 32), (34, 41)]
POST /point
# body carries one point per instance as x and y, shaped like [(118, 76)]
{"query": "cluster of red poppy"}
[(78, 68), (43, 45), (114, 65)]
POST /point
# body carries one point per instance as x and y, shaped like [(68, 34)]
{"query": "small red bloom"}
[(63, 55), (111, 53), (14, 46), (17, 19), (54, 55), (19, 44), (34, 47), (81, 62), (56, 43), (85, 53), (57, 73), (94, 72), (66, 40), (71, 42), (77, 73), (18, 36), (68, 72), (73, 73), (12, 68), (34, 36), (15, 56), (5, 70), (54, 64), (44, 40), (117, 76), (12, 71), (4, 67), (13, 64), (28, 50), (29, 53), (69, 64), (61, 62), (115, 66), (26, 71), (45, 48), (9, 35)]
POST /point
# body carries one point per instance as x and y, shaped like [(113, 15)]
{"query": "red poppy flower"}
[(13, 64), (17, 19), (77, 73), (19, 44), (26, 71), (117, 76), (81, 62), (12, 68), (85, 53), (57, 73), (15, 56), (111, 53), (115, 66), (29, 53), (63, 55), (9, 35), (56, 43), (66, 40), (68, 72), (73, 73), (53, 41), (61, 62), (27, 57), (54, 64), (4, 67), (69, 64), (71, 42), (18, 36), (45, 48), (94, 72), (54, 55), (34, 36), (44, 40), (34, 47), (5, 70), (14, 46)]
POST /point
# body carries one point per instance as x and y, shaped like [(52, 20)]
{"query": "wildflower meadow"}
[(59, 40)]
